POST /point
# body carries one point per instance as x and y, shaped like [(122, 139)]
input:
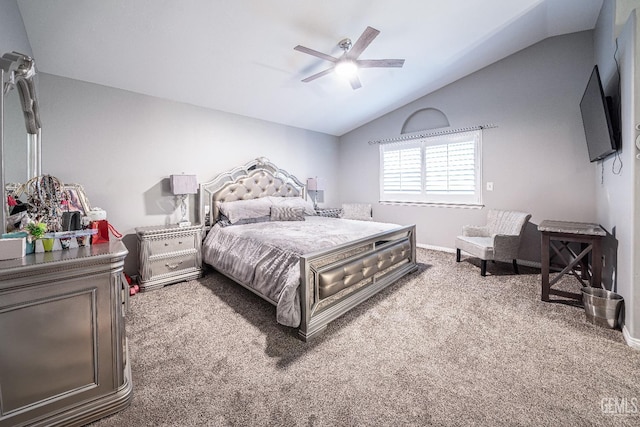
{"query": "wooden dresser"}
[(168, 254), (63, 349)]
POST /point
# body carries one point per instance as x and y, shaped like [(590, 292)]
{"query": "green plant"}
[(36, 230)]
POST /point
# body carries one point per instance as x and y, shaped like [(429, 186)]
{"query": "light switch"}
[(489, 186)]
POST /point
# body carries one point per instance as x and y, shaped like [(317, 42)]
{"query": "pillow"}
[(224, 221), (360, 211), (245, 209), (294, 202), (285, 213)]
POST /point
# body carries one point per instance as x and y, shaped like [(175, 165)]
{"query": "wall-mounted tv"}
[(599, 119)]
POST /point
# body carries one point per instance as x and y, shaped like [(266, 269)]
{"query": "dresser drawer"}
[(171, 244), (170, 266)]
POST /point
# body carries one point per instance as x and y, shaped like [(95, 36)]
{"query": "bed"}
[(312, 268)]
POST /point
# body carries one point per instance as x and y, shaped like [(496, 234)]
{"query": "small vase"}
[(30, 247), (47, 244), (65, 243)]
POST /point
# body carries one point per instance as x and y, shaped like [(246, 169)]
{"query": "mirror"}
[(14, 140), (19, 124)]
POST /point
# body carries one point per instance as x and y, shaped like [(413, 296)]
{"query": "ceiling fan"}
[(348, 64)]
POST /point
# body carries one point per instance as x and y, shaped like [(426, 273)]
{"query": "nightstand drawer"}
[(158, 267), (171, 244)]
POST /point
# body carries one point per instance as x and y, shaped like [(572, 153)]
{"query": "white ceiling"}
[(237, 56)]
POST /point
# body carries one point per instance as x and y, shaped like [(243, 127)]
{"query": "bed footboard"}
[(334, 281)]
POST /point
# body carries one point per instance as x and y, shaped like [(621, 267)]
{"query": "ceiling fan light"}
[(346, 69)]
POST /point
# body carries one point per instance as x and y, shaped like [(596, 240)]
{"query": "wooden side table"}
[(169, 254), (589, 236)]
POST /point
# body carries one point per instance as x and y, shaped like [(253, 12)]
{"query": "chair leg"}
[(483, 267), (457, 255), (515, 267)]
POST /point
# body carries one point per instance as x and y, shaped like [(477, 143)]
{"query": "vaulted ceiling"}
[(237, 56)]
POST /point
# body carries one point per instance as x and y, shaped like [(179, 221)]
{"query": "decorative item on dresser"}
[(63, 357), (169, 254)]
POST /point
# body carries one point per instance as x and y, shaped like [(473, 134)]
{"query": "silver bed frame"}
[(366, 266)]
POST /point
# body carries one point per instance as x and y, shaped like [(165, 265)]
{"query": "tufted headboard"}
[(258, 178)]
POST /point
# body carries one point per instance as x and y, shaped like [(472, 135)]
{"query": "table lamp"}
[(314, 185), (182, 186)]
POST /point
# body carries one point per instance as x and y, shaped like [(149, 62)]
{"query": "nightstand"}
[(168, 254), (329, 212)]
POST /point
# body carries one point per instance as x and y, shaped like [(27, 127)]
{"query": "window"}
[(441, 169)]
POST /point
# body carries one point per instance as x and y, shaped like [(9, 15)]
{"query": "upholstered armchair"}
[(499, 240)]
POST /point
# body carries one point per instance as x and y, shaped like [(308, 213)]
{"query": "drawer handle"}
[(173, 266), (179, 242)]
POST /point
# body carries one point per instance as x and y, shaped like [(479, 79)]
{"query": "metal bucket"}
[(601, 307)]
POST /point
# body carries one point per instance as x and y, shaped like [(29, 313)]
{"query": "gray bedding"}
[(265, 256)]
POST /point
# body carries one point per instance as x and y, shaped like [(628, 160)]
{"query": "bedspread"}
[(265, 256)]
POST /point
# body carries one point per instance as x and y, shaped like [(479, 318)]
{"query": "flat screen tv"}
[(598, 118)]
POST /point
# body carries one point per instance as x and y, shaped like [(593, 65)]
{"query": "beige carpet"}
[(443, 347)]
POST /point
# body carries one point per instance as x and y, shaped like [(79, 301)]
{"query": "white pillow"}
[(360, 211), (294, 202), (245, 209)]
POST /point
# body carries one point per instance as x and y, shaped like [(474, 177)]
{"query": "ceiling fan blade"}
[(361, 44), (371, 63), (318, 75), (315, 53), (355, 82)]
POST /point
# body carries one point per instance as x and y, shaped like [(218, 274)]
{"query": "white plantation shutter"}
[(438, 169), (402, 170)]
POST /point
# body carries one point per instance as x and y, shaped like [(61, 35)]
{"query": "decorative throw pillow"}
[(285, 213), (359, 211)]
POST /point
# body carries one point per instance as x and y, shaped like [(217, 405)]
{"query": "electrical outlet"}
[(489, 186)]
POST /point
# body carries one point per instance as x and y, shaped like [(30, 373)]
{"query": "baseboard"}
[(436, 248), (533, 264), (631, 341)]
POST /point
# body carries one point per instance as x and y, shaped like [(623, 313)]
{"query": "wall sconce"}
[(314, 186), (182, 186)]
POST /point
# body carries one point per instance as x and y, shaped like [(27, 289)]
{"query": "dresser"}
[(168, 254), (63, 348)]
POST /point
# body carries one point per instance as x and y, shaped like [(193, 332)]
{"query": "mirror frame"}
[(17, 71)]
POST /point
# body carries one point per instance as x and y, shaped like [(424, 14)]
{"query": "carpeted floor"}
[(442, 347)]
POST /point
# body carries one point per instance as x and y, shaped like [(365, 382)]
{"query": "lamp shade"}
[(315, 184), (183, 184)]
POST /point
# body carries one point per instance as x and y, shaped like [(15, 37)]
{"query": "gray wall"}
[(536, 157), (123, 146), (618, 178), (13, 36)]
